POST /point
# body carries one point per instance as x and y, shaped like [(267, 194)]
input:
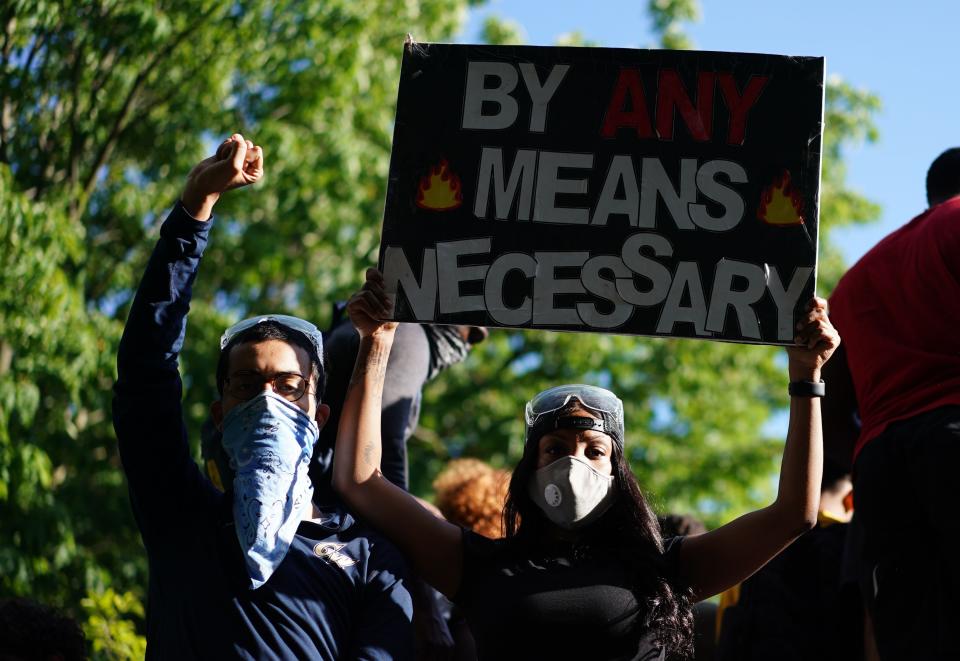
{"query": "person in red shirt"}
[(894, 412)]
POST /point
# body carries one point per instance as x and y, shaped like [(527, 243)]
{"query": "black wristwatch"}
[(807, 388)]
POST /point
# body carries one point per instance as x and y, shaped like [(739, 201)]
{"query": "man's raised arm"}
[(147, 412)]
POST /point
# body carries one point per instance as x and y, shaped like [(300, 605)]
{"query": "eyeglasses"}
[(293, 323), (591, 397), (247, 385)]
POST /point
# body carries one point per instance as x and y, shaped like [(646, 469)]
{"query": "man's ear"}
[(216, 412), (323, 414)]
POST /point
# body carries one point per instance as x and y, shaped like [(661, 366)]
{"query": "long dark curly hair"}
[(629, 530)]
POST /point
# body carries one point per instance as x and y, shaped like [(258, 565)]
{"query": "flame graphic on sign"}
[(780, 204), (439, 190)]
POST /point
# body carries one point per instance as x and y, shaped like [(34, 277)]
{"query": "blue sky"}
[(905, 52)]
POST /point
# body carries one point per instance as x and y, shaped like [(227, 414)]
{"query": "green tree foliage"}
[(501, 32), (104, 107), (668, 17), (110, 625), (848, 122)]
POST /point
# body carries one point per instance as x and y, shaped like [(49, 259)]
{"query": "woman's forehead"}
[(576, 436)]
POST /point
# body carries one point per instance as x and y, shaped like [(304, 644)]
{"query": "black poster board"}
[(645, 192)]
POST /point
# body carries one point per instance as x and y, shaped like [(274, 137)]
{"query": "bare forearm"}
[(430, 543), (723, 557), (357, 455), (716, 560), (798, 496)]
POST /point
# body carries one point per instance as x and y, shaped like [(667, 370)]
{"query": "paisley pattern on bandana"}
[(269, 442)]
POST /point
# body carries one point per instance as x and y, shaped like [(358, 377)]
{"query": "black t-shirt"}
[(555, 607)]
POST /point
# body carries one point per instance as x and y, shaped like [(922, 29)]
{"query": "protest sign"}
[(642, 192)]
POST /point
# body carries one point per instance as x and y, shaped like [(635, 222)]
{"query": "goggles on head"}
[(542, 413), (291, 323)]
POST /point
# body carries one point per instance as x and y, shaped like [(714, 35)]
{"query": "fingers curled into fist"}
[(815, 339), (237, 162), (371, 305)]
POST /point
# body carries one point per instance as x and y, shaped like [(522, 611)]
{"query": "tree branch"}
[(6, 120), (158, 102), (73, 157), (9, 25), (8, 110), (121, 121), (103, 75), (104, 69), (34, 49)]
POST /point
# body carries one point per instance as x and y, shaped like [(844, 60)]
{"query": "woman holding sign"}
[(583, 571)]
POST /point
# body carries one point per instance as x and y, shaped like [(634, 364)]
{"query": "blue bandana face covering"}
[(269, 442)]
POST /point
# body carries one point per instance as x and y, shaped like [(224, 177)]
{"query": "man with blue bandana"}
[(258, 571)]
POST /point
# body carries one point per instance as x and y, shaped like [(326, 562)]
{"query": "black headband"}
[(549, 422)]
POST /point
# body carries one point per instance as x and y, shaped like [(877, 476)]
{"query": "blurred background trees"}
[(104, 107)]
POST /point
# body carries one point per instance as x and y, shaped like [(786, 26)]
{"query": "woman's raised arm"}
[(719, 559), (432, 545)]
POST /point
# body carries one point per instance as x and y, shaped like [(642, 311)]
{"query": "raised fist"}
[(238, 162)]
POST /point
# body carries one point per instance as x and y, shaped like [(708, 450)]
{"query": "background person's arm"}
[(716, 560), (432, 545)]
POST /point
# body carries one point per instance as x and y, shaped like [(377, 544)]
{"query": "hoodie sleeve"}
[(164, 481)]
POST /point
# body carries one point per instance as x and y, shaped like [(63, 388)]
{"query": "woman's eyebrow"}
[(590, 436)]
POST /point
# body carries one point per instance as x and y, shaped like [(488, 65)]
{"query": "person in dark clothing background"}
[(894, 414), (258, 571), (30, 631), (798, 607)]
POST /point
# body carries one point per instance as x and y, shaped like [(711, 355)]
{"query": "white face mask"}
[(571, 492)]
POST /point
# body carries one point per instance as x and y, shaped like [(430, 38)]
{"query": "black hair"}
[(272, 330), (30, 630), (943, 177), (629, 528)]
